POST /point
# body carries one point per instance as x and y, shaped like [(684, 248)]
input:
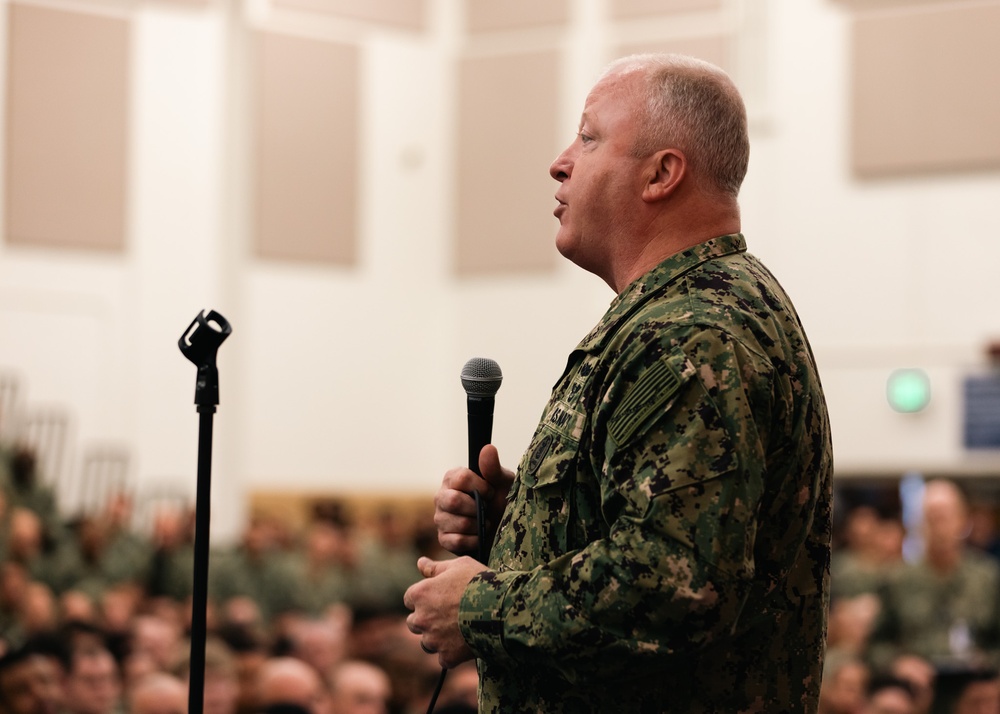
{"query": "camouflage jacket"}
[(666, 543)]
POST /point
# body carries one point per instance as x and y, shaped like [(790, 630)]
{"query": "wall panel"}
[(506, 141), (408, 14), (621, 9), (924, 89), (306, 136), (489, 15), (66, 135)]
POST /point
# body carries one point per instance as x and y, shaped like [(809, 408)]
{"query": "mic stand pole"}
[(200, 344)]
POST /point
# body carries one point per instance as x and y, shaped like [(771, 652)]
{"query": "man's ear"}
[(667, 169)]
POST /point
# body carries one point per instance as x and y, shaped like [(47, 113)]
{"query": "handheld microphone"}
[(481, 379)]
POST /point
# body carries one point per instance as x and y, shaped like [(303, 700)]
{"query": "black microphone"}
[(481, 379)]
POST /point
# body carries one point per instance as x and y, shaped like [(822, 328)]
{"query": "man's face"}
[(32, 687), (601, 181), (93, 685)]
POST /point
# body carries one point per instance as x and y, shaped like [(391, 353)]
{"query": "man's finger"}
[(427, 567)]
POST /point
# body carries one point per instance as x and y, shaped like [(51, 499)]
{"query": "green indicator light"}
[(908, 390)]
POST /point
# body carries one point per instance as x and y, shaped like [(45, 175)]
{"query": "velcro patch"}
[(657, 385)]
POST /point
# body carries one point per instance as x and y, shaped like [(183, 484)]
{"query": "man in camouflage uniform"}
[(665, 544), (943, 607)]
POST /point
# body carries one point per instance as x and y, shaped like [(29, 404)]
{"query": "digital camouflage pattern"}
[(666, 543)]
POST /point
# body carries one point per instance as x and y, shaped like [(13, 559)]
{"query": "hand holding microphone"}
[(470, 502), (481, 379)]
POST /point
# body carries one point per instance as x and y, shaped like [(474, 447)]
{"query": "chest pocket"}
[(548, 512)]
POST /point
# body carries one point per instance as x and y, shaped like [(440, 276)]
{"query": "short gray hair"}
[(694, 106)]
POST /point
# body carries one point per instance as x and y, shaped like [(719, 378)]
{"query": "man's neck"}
[(670, 236)]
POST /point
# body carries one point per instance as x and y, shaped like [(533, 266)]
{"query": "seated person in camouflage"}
[(943, 607), (665, 543)]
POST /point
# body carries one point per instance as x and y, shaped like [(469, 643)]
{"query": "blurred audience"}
[(289, 682), (94, 616), (943, 607), (920, 674), (358, 687), (158, 693), (93, 683), (845, 680), (967, 690), (889, 695)]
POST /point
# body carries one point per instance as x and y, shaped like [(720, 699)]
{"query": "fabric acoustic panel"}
[(306, 162), (925, 81), (490, 15), (711, 48), (66, 135), (506, 141), (622, 9), (406, 14)]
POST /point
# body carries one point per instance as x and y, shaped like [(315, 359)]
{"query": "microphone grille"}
[(481, 377)]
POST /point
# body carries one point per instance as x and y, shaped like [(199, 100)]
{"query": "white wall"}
[(347, 380)]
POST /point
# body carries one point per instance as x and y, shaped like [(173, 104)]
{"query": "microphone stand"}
[(200, 344)]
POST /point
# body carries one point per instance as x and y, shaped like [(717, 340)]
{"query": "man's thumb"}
[(489, 464)]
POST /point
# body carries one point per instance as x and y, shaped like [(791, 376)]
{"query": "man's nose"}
[(562, 167)]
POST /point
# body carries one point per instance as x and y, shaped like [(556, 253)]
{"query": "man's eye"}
[(585, 139)]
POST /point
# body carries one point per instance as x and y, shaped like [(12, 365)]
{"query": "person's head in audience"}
[(77, 606), (242, 611), (320, 643), (860, 525), (260, 537), (118, 607), (945, 524), (159, 638), (30, 683), (25, 536), (889, 537), (920, 674), (845, 679), (971, 690), (289, 681), (221, 685), (359, 687), (14, 581), (158, 693), (38, 611), (889, 695), (249, 649), (851, 622), (93, 683), (324, 543)]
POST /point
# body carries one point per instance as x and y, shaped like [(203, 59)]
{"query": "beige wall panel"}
[(306, 137), (879, 5), (507, 140), (924, 89), (621, 9), (67, 121), (409, 14), (711, 48), (490, 15)]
